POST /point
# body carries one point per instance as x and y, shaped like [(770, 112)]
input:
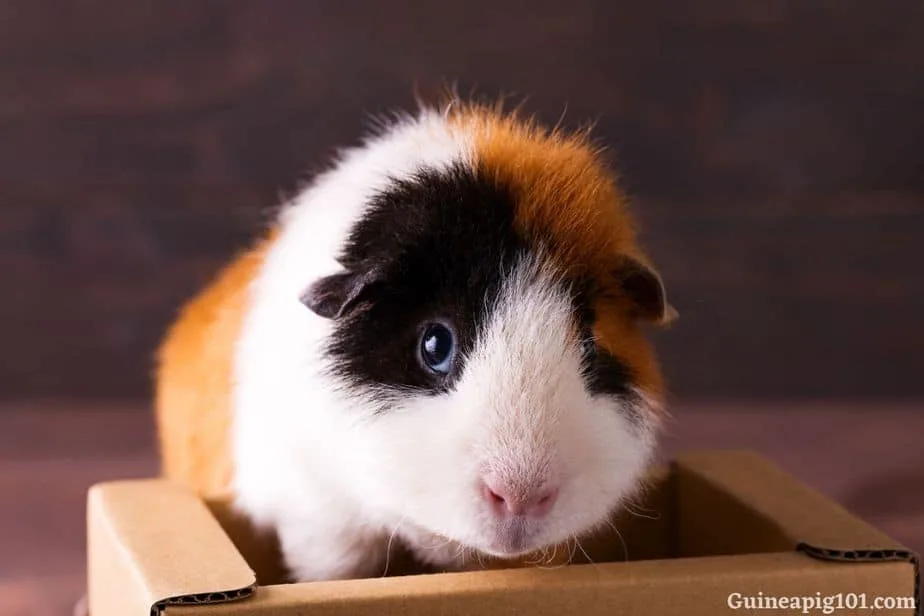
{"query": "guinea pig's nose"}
[(507, 500)]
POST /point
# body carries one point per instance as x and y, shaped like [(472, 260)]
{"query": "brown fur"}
[(569, 199), (194, 379)]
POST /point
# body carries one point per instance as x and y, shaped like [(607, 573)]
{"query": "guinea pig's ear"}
[(645, 289), (333, 296)]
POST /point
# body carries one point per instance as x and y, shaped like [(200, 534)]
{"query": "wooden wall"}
[(774, 151)]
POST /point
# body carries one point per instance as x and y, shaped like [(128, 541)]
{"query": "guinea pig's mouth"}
[(512, 539)]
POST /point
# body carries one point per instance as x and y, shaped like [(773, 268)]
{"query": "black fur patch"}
[(608, 375), (605, 373), (439, 245)]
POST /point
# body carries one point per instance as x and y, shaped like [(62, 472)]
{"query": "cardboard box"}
[(710, 525)]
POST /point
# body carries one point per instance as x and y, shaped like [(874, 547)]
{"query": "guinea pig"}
[(440, 341)]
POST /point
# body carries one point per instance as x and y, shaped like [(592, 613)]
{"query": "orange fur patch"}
[(568, 199), (194, 379)]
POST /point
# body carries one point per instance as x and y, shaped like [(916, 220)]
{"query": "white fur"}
[(337, 483)]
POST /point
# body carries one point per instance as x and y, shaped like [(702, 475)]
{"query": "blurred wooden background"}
[(773, 149)]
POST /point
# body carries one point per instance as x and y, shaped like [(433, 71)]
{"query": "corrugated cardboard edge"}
[(901, 554), (158, 545), (831, 533), (675, 587)]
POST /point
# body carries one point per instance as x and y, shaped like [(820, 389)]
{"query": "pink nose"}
[(505, 500)]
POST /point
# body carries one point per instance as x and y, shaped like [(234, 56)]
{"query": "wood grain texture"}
[(772, 149)]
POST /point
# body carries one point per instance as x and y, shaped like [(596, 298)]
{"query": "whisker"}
[(551, 557), (583, 551), (391, 539), (548, 566), (653, 516), (460, 553), (625, 548), (573, 550), (540, 556), (439, 546)]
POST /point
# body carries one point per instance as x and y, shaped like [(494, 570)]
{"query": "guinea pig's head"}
[(489, 322)]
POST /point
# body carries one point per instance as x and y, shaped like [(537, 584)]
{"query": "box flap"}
[(139, 563), (155, 547), (673, 587), (813, 523)]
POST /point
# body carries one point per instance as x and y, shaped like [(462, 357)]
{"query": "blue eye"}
[(437, 348)]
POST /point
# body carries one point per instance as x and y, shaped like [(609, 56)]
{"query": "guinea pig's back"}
[(193, 381)]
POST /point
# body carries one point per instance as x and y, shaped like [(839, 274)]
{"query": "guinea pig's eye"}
[(437, 348)]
